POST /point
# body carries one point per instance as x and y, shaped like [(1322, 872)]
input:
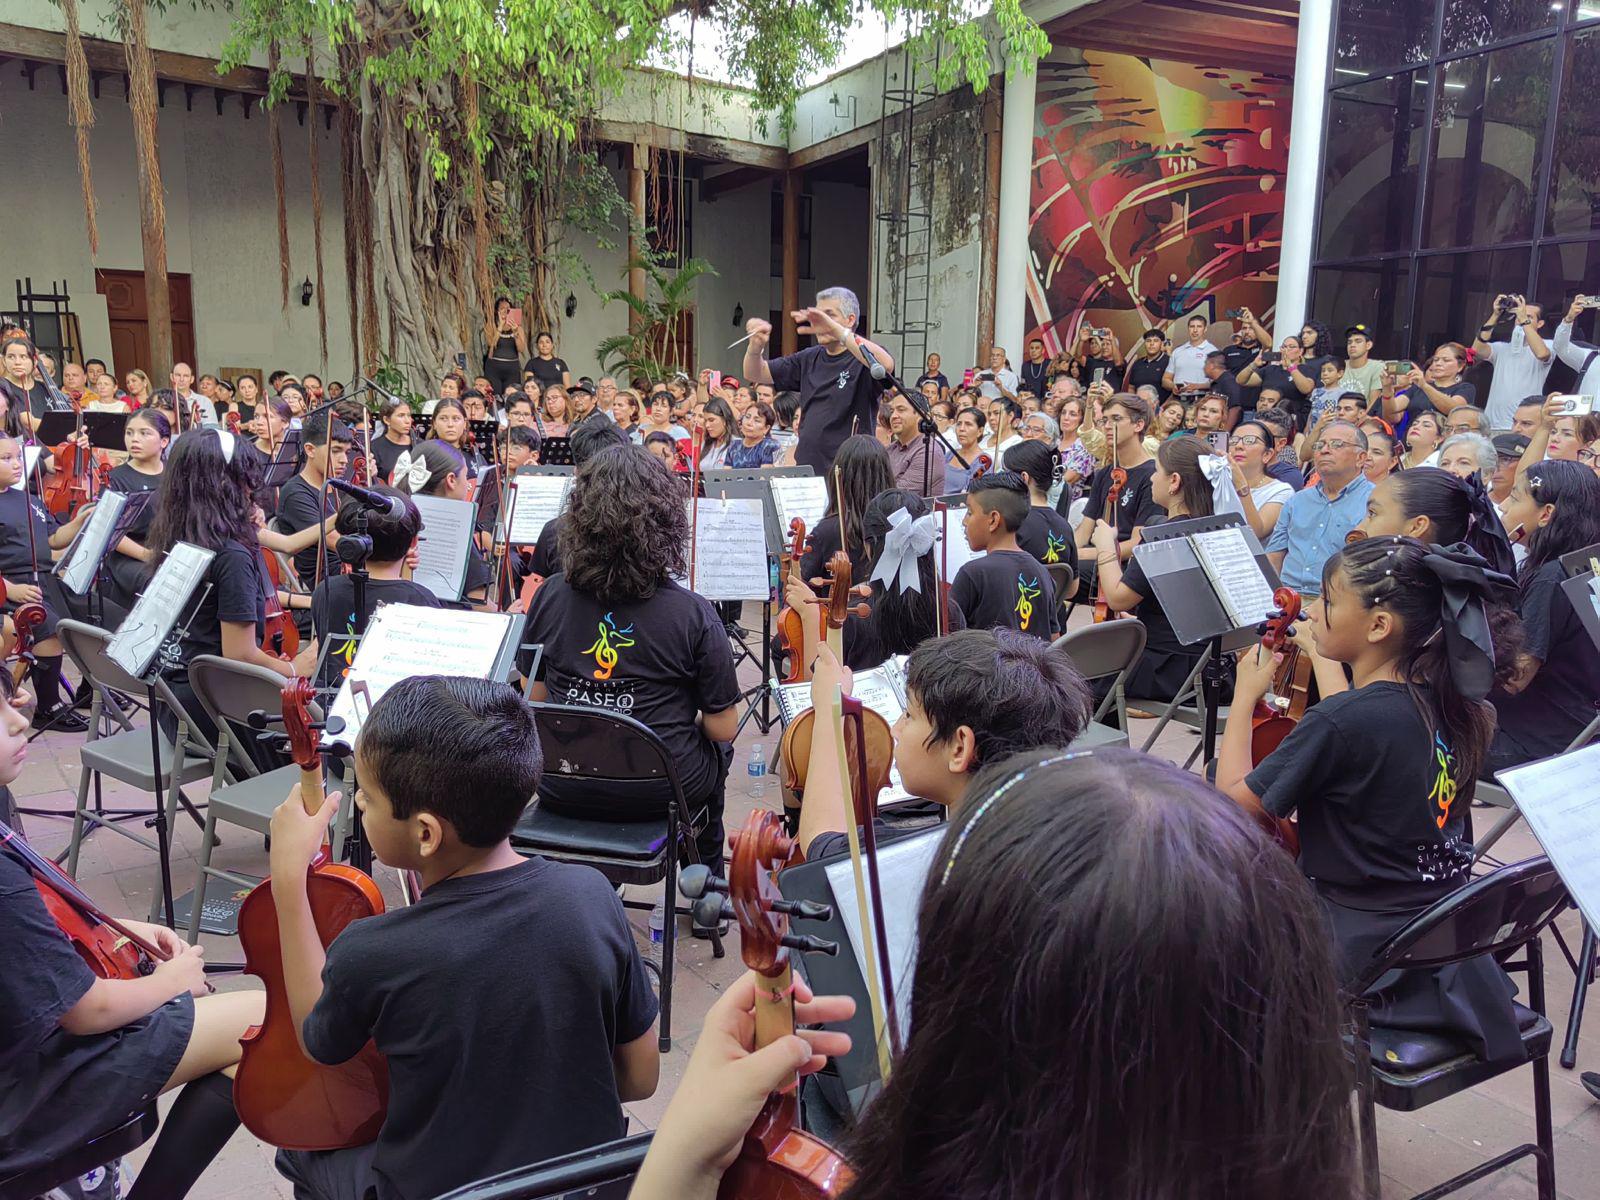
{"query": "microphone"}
[(391, 505), (874, 368)]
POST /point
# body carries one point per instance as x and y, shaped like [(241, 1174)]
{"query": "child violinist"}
[(436, 468), (510, 1001), (1382, 775), (860, 471), (83, 1054), (1005, 585), (147, 436)]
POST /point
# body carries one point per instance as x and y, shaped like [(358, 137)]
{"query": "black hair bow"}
[(1468, 584)]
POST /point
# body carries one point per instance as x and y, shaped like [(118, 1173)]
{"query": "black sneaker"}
[(1591, 1081), (60, 719)]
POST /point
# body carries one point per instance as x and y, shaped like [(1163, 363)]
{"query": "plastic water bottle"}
[(758, 771), (658, 922)]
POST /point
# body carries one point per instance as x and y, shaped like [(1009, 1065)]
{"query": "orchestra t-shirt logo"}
[(1053, 546), (844, 379), (610, 640), (1027, 593)]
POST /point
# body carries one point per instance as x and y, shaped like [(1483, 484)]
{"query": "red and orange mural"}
[(1157, 193)]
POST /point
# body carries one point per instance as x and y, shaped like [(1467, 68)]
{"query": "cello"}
[(778, 1160), (283, 1097), (110, 948), (1281, 708)]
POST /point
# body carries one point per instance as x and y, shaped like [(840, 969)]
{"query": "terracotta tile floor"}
[(1417, 1150)]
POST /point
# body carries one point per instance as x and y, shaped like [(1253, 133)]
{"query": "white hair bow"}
[(906, 541), (414, 472), (227, 441), (1224, 496)]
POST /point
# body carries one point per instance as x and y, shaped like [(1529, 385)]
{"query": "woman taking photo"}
[(1191, 944), (715, 426), (546, 367), (661, 652), (127, 566), (1423, 436), (1440, 389), (1278, 375), (506, 346), (394, 436)]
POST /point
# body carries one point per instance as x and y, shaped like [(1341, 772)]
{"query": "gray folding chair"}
[(129, 757), (241, 793), (1099, 651)]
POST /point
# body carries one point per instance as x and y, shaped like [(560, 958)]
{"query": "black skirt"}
[(73, 1089)]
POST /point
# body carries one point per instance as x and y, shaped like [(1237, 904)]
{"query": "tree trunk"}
[(152, 205)]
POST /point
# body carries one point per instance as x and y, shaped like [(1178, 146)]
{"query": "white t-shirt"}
[(1005, 376), (1517, 373), (1270, 491), (1188, 365)]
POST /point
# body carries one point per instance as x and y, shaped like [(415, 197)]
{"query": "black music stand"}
[(750, 485)]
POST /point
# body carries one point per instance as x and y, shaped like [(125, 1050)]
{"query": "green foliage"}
[(396, 377), (650, 350)]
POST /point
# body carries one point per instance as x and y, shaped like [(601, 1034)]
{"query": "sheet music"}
[(444, 544), (536, 500), (903, 868), (30, 464), (880, 689), (134, 644), (408, 639), (89, 547), (803, 496), (1235, 573), (730, 551), (1560, 798), (959, 553)]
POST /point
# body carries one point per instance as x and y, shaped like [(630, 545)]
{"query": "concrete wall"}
[(221, 220)]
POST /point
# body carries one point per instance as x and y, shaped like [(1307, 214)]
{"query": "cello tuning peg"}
[(696, 881), (804, 910), (260, 719), (808, 943), (711, 909)]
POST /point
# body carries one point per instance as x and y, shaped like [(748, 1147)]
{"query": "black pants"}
[(329, 1174), (503, 373)]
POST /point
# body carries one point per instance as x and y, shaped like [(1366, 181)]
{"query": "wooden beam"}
[(729, 150), (714, 187), (844, 143), (1259, 58), (791, 259), (989, 235), (638, 157), (1089, 14)]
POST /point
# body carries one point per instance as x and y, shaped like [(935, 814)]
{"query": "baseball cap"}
[(730, 381), (1510, 445), (1360, 327)]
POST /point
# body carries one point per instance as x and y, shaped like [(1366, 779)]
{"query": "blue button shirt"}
[(1311, 528)]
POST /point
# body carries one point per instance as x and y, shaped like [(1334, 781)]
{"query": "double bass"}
[(283, 1097), (778, 1160)]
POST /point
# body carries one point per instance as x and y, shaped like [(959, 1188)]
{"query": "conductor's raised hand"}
[(760, 331), (813, 322)]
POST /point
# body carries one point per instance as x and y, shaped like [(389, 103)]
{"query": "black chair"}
[(1405, 1070), (109, 1146), (604, 1172), (611, 799)]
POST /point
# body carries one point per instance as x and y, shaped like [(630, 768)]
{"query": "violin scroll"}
[(1276, 630), (303, 733), (838, 600)]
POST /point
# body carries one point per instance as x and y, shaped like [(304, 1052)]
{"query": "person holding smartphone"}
[(505, 346), (1580, 356), (1521, 358)]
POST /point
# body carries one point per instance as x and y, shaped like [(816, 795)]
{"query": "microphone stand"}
[(925, 422)]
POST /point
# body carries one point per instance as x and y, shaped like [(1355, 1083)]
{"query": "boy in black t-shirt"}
[(1007, 586), (1044, 533), (1124, 420), (510, 1000), (305, 500), (333, 611)]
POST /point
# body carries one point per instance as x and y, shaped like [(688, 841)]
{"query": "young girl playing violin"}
[(147, 436), (436, 468), (860, 471), (84, 1054), (450, 427), (1383, 774), (1089, 921)]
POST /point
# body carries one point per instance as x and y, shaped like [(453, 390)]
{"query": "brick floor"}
[(1416, 1150)]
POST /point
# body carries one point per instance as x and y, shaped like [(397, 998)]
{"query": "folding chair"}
[(128, 756), (241, 793), (604, 1172), (631, 826), (122, 1139), (1109, 648), (1405, 1070)]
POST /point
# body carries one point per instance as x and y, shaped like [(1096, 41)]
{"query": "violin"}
[(69, 487), (358, 470), (283, 1097), (110, 948), (231, 420), (981, 466), (778, 1160), (1277, 713), (280, 636), (102, 475), (24, 622), (1119, 480), (791, 624)]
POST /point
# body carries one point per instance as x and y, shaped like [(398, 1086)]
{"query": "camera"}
[(1234, 314), (1506, 304), (1272, 358)]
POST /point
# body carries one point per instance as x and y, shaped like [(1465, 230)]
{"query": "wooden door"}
[(130, 325)]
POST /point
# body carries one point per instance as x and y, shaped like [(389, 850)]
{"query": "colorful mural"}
[(1157, 193)]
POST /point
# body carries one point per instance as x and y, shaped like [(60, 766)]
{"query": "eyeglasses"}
[(1244, 439), (1587, 456), (1333, 444)]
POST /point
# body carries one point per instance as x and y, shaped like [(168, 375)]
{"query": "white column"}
[(1011, 256), (1304, 177)]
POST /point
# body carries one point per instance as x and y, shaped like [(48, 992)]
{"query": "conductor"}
[(838, 395)]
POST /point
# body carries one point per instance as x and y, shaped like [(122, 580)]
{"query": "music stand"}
[(750, 485), (1190, 602), (555, 452)]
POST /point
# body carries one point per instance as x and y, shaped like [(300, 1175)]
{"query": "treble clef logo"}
[(1027, 591), (606, 645), (1444, 790), (1053, 546)]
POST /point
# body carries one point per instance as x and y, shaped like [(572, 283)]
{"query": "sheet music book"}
[(536, 500), (444, 544), (903, 868), (956, 552), (1560, 798), (404, 640), (730, 550), (134, 645), (82, 559), (804, 496), (1231, 566), (30, 464), (882, 689)]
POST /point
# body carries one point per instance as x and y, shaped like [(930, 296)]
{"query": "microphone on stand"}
[(390, 505)]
